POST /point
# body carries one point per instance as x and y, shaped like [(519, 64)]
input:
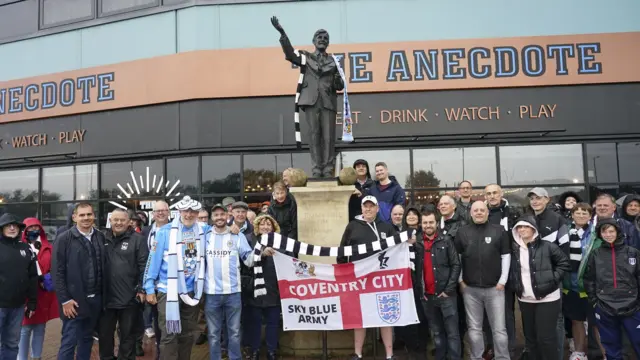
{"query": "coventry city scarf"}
[(347, 123), (296, 116), (176, 284), (35, 251), (277, 241)]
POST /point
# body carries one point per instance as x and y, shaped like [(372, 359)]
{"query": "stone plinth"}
[(323, 214)]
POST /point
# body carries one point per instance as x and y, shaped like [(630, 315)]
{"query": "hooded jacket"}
[(566, 213), (125, 261), (355, 207), (628, 222), (553, 227), (360, 232), (18, 272), (391, 196), (47, 308), (68, 225), (537, 280), (612, 277), (272, 298), (404, 220)]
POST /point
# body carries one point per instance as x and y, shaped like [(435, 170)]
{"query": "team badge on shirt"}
[(23, 253), (487, 240), (383, 235), (125, 246), (632, 261)]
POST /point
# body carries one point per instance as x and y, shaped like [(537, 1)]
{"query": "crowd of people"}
[(572, 267)]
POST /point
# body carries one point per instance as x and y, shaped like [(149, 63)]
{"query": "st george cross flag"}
[(373, 292)]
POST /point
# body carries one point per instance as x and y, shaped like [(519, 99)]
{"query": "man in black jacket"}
[(363, 187), (366, 229), (18, 283), (126, 254), (485, 252), (78, 268), (438, 270)]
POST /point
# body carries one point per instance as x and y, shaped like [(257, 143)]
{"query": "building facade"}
[(121, 102)]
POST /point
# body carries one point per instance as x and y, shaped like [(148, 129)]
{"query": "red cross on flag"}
[(373, 292)]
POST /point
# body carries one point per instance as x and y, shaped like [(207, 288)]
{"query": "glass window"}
[(133, 179), (117, 6), (221, 174), (596, 190), (58, 183), (146, 206), (628, 155), (57, 12), (448, 167), (262, 171), (602, 163), (255, 201), (18, 186), (182, 174), (397, 162), (21, 211), (302, 161), (541, 164), (517, 197), (54, 216)]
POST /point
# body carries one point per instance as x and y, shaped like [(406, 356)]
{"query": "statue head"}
[(321, 40)]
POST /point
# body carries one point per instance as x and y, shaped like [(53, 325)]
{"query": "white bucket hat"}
[(187, 203)]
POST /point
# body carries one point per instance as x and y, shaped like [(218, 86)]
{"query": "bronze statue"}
[(318, 98)]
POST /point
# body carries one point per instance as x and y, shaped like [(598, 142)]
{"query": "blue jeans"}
[(78, 332), (442, 316), (34, 342), (10, 322), (229, 308), (272, 331)]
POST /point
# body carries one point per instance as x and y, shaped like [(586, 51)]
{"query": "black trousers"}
[(127, 319), (540, 323), (322, 137), (415, 336)]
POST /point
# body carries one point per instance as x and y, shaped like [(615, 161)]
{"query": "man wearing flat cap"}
[(228, 205), (19, 283), (180, 279)]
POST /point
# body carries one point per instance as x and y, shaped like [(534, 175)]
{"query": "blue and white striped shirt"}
[(224, 252)]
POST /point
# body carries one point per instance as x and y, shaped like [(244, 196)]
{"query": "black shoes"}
[(202, 338), (139, 350)]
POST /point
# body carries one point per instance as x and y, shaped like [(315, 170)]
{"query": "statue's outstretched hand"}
[(276, 24)]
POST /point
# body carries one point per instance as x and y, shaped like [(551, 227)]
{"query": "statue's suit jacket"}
[(321, 78)]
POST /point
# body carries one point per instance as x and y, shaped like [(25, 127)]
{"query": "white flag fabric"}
[(373, 292)]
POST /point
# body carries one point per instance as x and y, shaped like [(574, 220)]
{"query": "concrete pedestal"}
[(323, 214)]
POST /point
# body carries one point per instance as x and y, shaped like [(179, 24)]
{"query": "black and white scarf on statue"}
[(277, 241), (347, 125)]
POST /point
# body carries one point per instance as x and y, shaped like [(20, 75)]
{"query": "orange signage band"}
[(376, 67)]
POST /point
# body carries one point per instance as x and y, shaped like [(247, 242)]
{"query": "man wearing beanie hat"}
[(363, 185), (19, 276)]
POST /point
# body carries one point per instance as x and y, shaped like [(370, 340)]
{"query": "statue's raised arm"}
[(287, 48)]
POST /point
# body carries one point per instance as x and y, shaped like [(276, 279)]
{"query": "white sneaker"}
[(578, 356), (572, 346), (150, 333)]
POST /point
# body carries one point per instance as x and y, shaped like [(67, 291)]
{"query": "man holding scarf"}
[(225, 251), (180, 279)]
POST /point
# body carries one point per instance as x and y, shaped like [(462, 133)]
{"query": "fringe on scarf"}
[(277, 241), (296, 116)]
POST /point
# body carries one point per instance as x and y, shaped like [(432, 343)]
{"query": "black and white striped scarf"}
[(296, 116), (277, 241), (575, 246)]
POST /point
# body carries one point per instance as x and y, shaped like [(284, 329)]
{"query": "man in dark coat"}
[(284, 210), (78, 269), (363, 187)]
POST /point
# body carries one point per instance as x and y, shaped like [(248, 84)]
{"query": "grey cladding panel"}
[(199, 125), (59, 12), (108, 7), (18, 19), (128, 131)]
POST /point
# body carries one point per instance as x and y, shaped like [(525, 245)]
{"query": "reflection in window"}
[(255, 201), (58, 183), (221, 174), (397, 162), (21, 211), (18, 186), (448, 167), (517, 197), (602, 163), (64, 11), (130, 179), (144, 205), (55, 216), (628, 155), (182, 174), (262, 171), (596, 190), (541, 164)]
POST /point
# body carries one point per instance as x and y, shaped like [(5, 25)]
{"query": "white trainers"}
[(578, 356), (572, 346), (150, 333)]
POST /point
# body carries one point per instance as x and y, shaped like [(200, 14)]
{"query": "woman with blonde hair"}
[(267, 305)]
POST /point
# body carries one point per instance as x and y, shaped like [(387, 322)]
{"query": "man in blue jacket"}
[(388, 192)]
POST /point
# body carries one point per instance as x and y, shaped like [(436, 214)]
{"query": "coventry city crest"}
[(303, 269), (389, 307)]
